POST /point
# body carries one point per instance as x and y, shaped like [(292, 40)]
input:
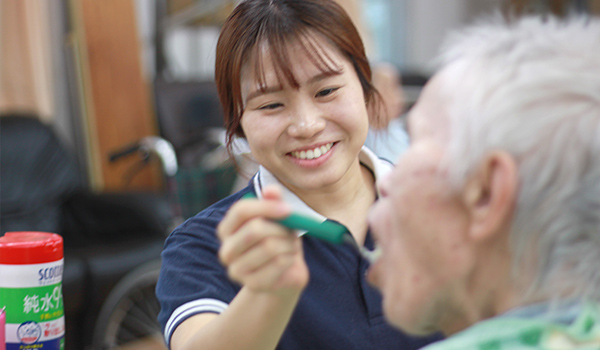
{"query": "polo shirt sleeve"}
[(192, 279)]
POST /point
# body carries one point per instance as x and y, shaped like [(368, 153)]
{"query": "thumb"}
[(272, 192)]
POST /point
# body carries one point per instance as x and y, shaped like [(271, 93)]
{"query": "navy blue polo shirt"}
[(337, 310)]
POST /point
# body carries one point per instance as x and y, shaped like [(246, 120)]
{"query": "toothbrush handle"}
[(329, 231)]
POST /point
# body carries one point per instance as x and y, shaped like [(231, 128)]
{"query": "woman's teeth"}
[(314, 153)]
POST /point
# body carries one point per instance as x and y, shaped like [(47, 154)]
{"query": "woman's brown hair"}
[(276, 23)]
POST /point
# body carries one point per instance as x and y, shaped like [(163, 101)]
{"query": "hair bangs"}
[(278, 47)]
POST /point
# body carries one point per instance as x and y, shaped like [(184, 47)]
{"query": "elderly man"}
[(490, 223)]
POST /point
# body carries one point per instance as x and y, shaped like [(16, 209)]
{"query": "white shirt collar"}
[(263, 178)]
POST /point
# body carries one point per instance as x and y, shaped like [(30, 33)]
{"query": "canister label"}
[(32, 295)]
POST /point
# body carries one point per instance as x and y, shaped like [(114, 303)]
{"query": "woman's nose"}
[(306, 121)]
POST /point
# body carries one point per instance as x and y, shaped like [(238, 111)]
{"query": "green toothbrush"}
[(328, 231)]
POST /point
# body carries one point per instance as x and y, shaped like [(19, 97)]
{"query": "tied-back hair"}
[(532, 88)]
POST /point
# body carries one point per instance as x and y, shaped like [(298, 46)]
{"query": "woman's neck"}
[(346, 201)]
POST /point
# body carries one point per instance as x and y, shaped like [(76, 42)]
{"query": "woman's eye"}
[(271, 106), (326, 92)]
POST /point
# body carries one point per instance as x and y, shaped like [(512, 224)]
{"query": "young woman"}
[(295, 83)]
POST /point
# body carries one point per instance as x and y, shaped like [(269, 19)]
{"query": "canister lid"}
[(30, 248)]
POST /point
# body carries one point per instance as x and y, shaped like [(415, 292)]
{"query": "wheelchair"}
[(112, 241)]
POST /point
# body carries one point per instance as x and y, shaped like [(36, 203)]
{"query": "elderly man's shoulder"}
[(502, 333)]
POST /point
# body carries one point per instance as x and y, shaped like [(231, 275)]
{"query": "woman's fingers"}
[(268, 277), (265, 256), (263, 235), (276, 252), (247, 209), (281, 273), (258, 252), (272, 192)]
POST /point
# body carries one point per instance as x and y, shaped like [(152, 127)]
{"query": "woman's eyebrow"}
[(324, 75), (315, 79), (263, 91)]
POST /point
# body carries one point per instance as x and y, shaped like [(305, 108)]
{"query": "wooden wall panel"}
[(25, 72), (595, 7), (118, 104), (557, 7)]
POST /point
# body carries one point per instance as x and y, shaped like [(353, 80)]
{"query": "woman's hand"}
[(259, 253)]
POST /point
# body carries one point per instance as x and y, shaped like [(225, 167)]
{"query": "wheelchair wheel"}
[(128, 316)]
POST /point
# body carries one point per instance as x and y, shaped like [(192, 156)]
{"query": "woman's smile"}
[(313, 157), (312, 153), (311, 137)]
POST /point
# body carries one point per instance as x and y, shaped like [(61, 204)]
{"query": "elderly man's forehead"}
[(433, 103), (436, 88)]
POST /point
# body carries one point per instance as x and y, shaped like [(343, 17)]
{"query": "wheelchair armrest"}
[(105, 218)]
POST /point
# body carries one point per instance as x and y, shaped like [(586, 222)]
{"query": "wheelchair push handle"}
[(114, 156), (151, 145)]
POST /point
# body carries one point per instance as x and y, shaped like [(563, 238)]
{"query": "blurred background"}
[(126, 88), (98, 70)]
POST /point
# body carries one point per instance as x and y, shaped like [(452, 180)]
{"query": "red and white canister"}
[(31, 267)]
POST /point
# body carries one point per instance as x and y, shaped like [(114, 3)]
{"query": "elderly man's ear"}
[(490, 196)]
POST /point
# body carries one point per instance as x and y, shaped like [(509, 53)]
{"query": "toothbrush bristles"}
[(370, 255)]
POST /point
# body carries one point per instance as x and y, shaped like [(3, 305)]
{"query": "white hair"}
[(532, 88)]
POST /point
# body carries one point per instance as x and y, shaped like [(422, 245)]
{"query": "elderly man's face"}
[(421, 224)]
